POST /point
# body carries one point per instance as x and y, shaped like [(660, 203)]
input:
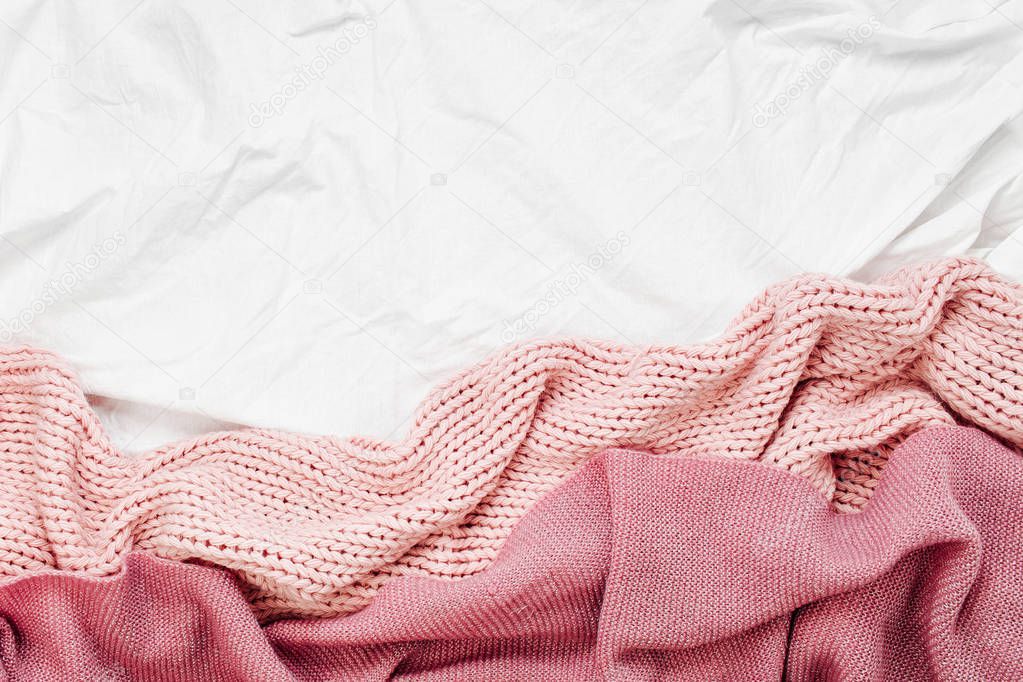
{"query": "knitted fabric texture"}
[(638, 568), (818, 377)]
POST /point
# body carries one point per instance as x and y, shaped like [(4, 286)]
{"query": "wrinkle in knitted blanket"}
[(818, 377), (638, 568)]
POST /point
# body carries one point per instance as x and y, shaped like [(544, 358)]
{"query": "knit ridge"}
[(818, 376)]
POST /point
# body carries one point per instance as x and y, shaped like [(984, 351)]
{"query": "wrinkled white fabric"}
[(301, 215)]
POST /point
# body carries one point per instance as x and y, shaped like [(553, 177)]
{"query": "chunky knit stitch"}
[(819, 377)]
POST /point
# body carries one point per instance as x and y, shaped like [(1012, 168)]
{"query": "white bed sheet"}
[(303, 215)]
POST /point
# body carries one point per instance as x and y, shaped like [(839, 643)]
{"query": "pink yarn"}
[(820, 377)]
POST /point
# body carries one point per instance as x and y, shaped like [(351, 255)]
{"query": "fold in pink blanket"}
[(732, 510)]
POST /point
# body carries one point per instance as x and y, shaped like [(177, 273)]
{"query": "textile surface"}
[(640, 567), (820, 378)]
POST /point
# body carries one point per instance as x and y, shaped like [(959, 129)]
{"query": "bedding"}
[(609, 578), (373, 339), (829, 488), (304, 215)]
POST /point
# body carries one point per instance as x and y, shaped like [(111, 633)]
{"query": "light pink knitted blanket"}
[(819, 377)]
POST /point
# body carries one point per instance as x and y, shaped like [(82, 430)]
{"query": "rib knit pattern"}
[(819, 377)]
